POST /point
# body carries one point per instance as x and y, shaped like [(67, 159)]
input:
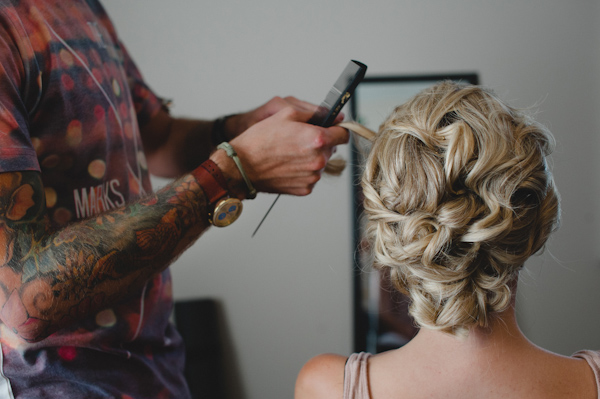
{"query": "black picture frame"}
[(381, 320)]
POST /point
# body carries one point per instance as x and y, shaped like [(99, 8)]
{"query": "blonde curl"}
[(458, 196)]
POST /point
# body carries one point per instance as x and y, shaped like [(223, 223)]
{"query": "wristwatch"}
[(223, 210)]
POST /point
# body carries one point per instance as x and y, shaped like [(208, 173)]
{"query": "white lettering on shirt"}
[(93, 200)]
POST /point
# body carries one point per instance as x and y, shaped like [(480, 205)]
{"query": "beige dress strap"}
[(356, 380), (593, 359)]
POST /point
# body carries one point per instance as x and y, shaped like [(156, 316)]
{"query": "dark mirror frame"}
[(381, 320)]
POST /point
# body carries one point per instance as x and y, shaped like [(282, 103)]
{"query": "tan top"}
[(356, 382), (593, 359)]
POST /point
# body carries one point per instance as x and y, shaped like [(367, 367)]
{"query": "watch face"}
[(226, 212)]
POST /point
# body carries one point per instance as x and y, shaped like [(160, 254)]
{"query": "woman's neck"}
[(502, 335)]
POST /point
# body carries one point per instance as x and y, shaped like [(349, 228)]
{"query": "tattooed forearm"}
[(48, 278)]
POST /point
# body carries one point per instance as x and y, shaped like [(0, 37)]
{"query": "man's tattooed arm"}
[(50, 278)]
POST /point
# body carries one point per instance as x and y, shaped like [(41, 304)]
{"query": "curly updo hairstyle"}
[(458, 195)]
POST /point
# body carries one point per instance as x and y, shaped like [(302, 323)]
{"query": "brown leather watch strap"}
[(211, 180)]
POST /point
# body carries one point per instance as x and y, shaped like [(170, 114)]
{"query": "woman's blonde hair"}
[(458, 195)]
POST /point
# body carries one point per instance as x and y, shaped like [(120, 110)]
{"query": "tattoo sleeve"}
[(50, 278)]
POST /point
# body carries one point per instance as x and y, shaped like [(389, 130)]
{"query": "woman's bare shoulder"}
[(321, 377)]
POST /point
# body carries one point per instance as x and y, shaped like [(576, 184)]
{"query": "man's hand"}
[(174, 146), (281, 153), (237, 124)]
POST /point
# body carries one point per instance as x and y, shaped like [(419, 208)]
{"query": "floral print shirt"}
[(71, 101)]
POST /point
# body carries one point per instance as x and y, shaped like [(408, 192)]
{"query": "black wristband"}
[(217, 134)]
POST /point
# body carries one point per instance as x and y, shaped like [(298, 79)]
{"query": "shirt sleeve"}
[(146, 102), (18, 86)]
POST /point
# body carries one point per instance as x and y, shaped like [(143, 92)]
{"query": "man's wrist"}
[(223, 129), (231, 153), (235, 182), (223, 209)]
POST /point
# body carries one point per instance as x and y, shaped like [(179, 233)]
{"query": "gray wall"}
[(286, 293)]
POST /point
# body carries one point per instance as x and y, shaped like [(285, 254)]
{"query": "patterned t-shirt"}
[(71, 101)]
